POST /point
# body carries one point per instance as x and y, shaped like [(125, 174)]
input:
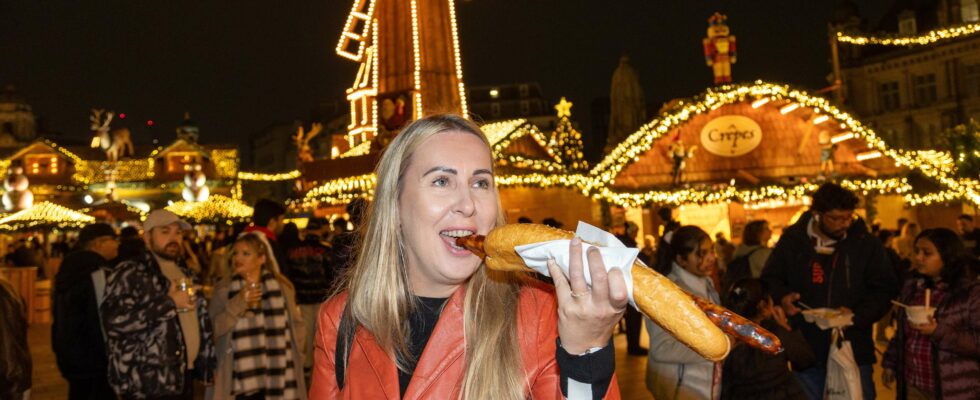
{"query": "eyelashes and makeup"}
[(448, 181)]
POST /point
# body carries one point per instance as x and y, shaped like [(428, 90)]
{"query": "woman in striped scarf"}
[(258, 328)]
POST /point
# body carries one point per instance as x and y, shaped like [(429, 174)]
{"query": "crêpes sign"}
[(731, 135)]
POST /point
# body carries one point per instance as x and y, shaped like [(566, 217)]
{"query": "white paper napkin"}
[(614, 254)]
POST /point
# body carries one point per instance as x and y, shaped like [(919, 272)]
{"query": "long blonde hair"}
[(380, 298)]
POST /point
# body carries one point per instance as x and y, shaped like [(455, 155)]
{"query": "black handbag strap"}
[(345, 338)]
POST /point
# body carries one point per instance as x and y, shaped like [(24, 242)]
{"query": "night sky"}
[(241, 66)]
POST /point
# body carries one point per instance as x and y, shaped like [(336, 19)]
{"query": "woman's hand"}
[(926, 328), (586, 318), (887, 377)]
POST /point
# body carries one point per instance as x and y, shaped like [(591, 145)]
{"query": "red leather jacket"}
[(371, 373)]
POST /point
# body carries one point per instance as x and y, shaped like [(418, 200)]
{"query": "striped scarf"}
[(261, 344)]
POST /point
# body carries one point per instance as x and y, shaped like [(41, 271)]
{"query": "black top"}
[(422, 323), (595, 369), (749, 373)]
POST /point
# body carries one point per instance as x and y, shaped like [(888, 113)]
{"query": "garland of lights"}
[(264, 177), (216, 209), (44, 215), (596, 183), (930, 37), (125, 204)]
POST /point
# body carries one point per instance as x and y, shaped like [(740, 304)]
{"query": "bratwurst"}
[(698, 323)]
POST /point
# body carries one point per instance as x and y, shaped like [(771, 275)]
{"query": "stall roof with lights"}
[(44, 215), (637, 171), (216, 209)]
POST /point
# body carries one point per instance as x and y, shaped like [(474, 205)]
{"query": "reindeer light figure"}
[(302, 140), (115, 142)]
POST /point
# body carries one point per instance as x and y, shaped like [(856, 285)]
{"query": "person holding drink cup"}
[(158, 332), (258, 327), (935, 353)]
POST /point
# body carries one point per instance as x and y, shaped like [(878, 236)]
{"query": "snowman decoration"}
[(195, 189), (16, 194)]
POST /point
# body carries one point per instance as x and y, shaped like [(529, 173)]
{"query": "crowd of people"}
[(829, 258), (267, 311), (143, 315)]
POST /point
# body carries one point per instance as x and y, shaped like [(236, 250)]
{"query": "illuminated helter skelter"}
[(400, 80)]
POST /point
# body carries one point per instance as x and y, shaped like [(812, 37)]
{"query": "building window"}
[(906, 23), (525, 107), (971, 80), (924, 87), (523, 89), (494, 109), (969, 11), (178, 162), (42, 165), (8, 128), (888, 96)]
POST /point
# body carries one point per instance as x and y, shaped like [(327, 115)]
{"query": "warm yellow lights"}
[(598, 182), (842, 137), (217, 209), (44, 215), (869, 155), (789, 108), (760, 102), (564, 108), (932, 36), (820, 119), (456, 57), (265, 177), (356, 18), (417, 55), (361, 149)]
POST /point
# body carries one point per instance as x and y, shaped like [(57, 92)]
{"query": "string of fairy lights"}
[(598, 182), (44, 215), (930, 37), (216, 209)]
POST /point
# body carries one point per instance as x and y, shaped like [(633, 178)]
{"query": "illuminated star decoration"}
[(564, 108)]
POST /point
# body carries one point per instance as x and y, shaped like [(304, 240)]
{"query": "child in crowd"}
[(749, 373), (939, 359)]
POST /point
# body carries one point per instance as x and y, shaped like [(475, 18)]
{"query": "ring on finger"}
[(579, 294)]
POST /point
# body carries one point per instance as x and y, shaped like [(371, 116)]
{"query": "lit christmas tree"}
[(566, 141)]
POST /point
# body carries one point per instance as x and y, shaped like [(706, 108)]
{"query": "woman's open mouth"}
[(449, 237)]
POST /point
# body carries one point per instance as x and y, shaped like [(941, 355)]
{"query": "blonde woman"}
[(419, 317), (258, 327)]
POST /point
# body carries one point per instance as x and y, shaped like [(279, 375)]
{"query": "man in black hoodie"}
[(829, 259), (76, 334)]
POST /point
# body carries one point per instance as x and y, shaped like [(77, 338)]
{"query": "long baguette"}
[(655, 295)]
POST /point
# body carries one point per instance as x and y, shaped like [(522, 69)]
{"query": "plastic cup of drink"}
[(257, 303), (187, 286)]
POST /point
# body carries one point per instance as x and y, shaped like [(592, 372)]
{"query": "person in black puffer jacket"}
[(76, 332), (829, 259)]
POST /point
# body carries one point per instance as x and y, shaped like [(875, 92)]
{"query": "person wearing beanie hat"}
[(158, 332), (76, 331)]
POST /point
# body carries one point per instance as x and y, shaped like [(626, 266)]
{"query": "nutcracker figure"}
[(719, 49)]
